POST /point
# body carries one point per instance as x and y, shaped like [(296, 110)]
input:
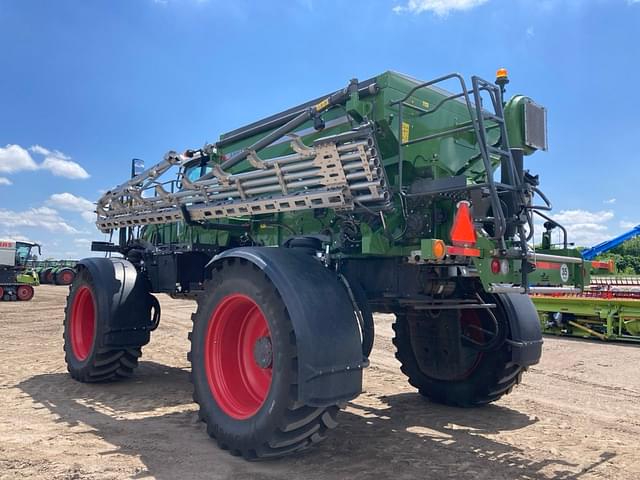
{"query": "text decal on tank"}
[(323, 104), (405, 132)]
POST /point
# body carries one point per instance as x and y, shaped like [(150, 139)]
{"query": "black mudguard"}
[(524, 323), (329, 346), (122, 300)]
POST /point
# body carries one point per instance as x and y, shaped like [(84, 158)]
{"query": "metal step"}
[(494, 118), (498, 151)]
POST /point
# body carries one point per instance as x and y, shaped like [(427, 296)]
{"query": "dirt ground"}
[(576, 415)]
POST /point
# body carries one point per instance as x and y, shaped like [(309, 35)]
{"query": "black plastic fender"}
[(329, 346), (526, 332), (122, 301)]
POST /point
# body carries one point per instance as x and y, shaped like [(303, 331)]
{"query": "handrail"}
[(565, 242), (500, 224)]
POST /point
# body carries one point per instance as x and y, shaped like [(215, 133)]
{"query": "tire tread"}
[(107, 364), (506, 376), (301, 426)]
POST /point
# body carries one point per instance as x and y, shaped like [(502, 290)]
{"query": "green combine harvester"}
[(390, 195), (16, 279)]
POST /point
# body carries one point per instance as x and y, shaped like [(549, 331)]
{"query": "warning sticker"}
[(323, 104), (405, 132)]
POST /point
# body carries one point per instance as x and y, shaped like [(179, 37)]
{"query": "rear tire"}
[(453, 375), (64, 276), (244, 368), (84, 333)]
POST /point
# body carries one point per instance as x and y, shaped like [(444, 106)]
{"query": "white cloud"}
[(60, 164), (584, 228), (5, 181), (440, 7), (70, 202), (627, 225), (43, 217), (575, 217), (631, 2), (40, 150), (14, 158), (610, 201)]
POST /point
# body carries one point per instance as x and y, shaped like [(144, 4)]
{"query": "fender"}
[(524, 324), (122, 301), (330, 360)]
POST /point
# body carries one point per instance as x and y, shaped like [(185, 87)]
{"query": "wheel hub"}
[(263, 352), (83, 323), (238, 356), (438, 347)]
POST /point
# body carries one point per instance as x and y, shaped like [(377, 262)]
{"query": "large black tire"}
[(448, 374), (46, 276), (271, 423), (64, 276), (88, 360)]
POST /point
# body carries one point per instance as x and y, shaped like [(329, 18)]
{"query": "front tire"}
[(449, 370), (46, 275), (88, 359), (244, 368)]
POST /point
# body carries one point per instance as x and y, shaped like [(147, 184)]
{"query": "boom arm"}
[(593, 252)]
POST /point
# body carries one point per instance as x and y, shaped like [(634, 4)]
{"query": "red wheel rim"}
[(238, 357), (67, 278), (1, 293), (83, 323), (24, 292), (49, 277)]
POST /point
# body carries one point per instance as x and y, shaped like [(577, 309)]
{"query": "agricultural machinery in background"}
[(390, 195), (57, 272), (16, 279), (607, 309)]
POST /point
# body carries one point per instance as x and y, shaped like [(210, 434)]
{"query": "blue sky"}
[(86, 85)]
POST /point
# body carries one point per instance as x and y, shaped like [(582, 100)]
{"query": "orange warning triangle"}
[(463, 232)]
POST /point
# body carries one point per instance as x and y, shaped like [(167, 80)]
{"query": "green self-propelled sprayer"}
[(390, 195)]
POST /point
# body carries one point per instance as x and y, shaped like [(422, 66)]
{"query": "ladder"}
[(479, 123)]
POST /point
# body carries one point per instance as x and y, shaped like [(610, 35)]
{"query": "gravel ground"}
[(576, 415)]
